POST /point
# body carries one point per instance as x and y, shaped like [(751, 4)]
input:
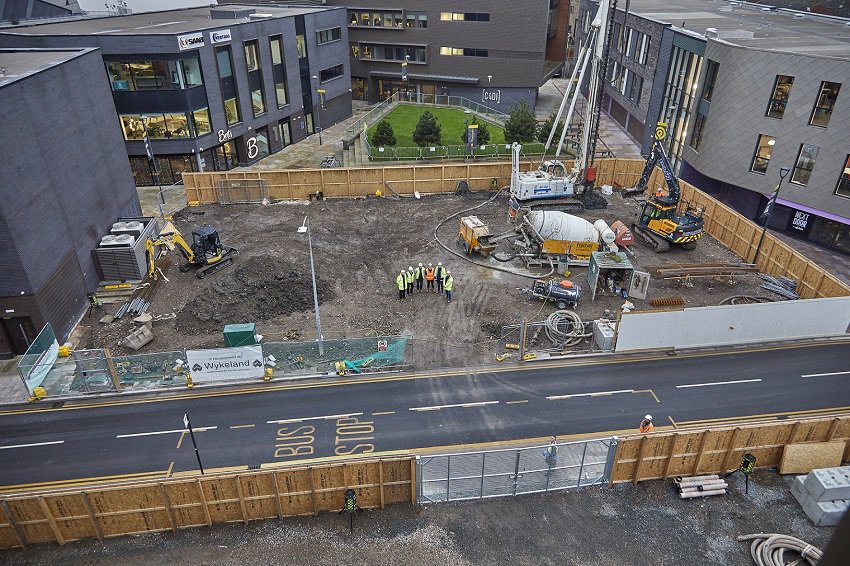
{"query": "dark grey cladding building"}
[(746, 89), (214, 87), (64, 180)]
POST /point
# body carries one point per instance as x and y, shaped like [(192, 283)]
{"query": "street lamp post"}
[(152, 160), (768, 210), (318, 109), (305, 228)]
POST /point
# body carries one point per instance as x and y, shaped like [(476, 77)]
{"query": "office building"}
[(746, 90), (65, 179), (214, 87)]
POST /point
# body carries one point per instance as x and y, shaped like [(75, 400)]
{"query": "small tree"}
[(383, 134), (521, 125), (483, 132), (546, 127), (428, 130)]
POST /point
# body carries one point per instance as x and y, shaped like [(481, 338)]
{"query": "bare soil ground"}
[(359, 247), (627, 525)]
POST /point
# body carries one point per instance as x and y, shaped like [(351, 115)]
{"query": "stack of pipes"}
[(700, 486)]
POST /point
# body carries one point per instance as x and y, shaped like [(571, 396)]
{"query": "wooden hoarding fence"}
[(185, 502), (718, 450)]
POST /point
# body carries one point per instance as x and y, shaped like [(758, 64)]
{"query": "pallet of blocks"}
[(700, 486), (824, 494)]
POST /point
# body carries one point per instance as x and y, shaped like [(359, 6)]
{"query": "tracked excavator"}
[(660, 223), (551, 186), (206, 254)]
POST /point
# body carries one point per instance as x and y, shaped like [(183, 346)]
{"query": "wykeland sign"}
[(220, 36), (190, 41), (244, 362)]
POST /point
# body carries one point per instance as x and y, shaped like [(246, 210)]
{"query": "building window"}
[(416, 20), (805, 163), (328, 35), (382, 52), (463, 51), (201, 121), (628, 47), (386, 19), (711, 69), (843, 188), (155, 75), (160, 126), (677, 103), (279, 71), (643, 49), (699, 127), (355, 50), (255, 77), (300, 46), (634, 87), (825, 103), (781, 92), (334, 72), (171, 168), (764, 148), (464, 17), (228, 85)]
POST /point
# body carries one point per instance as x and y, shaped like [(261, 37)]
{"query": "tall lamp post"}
[(768, 210), (305, 228), (320, 92), (152, 160)]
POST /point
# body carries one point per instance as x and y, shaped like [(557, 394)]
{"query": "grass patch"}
[(404, 118)]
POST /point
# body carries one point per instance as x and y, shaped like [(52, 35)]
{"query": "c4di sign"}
[(244, 362), (190, 41)]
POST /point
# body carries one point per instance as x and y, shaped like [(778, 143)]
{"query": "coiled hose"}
[(565, 328), (768, 549)]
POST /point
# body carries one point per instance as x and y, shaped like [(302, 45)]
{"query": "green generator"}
[(240, 335)]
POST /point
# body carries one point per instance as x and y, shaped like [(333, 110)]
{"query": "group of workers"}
[(438, 279)]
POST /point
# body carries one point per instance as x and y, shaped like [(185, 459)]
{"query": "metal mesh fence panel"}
[(504, 472), (142, 371), (360, 354), (242, 191)]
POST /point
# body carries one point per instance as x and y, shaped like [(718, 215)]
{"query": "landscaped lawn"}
[(404, 118)]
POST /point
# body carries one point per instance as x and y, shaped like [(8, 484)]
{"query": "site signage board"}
[(190, 41), (218, 364)]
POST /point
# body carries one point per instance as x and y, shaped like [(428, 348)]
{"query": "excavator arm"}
[(658, 156), (183, 246)]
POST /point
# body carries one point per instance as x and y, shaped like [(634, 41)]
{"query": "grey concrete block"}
[(829, 484), (799, 491), (826, 513)]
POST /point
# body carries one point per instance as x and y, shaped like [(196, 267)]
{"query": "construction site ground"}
[(359, 247), (642, 524)]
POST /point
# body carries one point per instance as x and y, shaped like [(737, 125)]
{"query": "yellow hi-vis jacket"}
[(449, 284), (400, 282), (409, 277)]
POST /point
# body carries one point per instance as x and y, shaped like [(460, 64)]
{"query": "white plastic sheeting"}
[(734, 324)]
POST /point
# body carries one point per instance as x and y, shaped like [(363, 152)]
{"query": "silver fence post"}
[(483, 460), (516, 470), (448, 476), (581, 467), (419, 489), (609, 461)]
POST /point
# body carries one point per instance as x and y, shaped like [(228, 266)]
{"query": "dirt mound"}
[(254, 290)]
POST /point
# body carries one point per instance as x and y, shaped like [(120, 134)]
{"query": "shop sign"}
[(491, 95), (220, 36), (224, 135), (800, 221), (226, 363), (190, 41)]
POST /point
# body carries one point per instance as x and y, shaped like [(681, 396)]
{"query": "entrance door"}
[(20, 333)]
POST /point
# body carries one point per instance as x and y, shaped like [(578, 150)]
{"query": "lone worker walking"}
[(429, 277), (551, 452), (419, 275), (401, 283), (409, 280), (646, 424), (440, 273), (448, 285)]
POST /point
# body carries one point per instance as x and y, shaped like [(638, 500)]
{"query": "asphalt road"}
[(283, 423)]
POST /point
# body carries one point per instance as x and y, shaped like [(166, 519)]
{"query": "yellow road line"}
[(515, 402), (180, 441), (58, 484), (383, 413), (672, 421), (243, 426), (210, 471), (170, 467), (572, 362)]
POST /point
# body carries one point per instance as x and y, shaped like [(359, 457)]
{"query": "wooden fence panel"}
[(222, 499), (71, 516), (8, 535), (185, 505), (295, 489), (31, 520), (121, 512), (719, 449)]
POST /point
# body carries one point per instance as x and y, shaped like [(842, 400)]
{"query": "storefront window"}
[(155, 74), (133, 127), (119, 74), (171, 168)]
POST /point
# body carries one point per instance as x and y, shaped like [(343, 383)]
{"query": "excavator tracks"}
[(656, 242)]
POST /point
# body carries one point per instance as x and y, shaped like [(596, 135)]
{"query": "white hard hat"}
[(448, 272), (648, 417), (420, 264), (439, 263), (410, 268), (430, 264)]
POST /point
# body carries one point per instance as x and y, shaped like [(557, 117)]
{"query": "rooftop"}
[(164, 23), (17, 64), (753, 26)]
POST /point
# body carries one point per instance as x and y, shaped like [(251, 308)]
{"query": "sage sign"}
[(219, 364), (190, 41)]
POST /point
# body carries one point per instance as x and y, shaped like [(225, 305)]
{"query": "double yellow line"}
[(81, 482)]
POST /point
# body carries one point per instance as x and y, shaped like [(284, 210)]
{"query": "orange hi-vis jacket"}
[(646, 426), (429, 274)]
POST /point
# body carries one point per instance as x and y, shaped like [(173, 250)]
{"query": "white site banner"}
[(220, 364)]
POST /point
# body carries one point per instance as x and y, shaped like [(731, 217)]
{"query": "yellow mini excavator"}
[(207, 254)]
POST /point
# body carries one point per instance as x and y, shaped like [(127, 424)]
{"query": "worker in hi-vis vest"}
[(449, 285), (429, 277), (646, 424), (408, 277), (419, 275), (440, 274), (401, 283)]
